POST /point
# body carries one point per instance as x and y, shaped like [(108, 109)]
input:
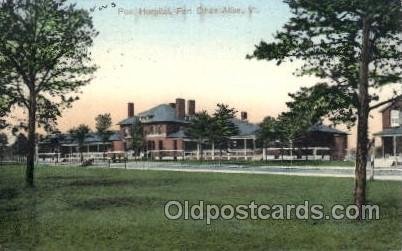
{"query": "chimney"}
[(180, 108), (190, 107), (243, 116), (130, 110)]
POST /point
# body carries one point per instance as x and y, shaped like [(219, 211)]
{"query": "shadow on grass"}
[(118, 182), (109, 202), (8, 193)]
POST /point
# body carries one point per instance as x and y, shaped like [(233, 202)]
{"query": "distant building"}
[(323, 137), (164, 128), (391, 134)]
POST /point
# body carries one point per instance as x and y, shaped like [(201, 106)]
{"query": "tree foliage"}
[(201, 129), (80, 133), (137, 140), (44, 60), (224, 127), (20, 146), (268, 131), (355, 46), (327, 36), (103, 124)]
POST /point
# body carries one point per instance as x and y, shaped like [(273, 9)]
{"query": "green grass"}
[(110, 209)]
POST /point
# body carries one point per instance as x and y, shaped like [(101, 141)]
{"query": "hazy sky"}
[(154, 59)]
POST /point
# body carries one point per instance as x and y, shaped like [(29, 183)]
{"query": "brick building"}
[(165, 138), (391, 134), (163, 127)]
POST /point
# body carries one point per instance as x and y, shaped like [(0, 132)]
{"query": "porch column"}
[(198, 151), (383, 148), (245, 149), (213, 151), (264, 153), (394, 145), (254, 147)]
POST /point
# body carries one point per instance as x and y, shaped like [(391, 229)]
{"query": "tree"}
[(21, 145), (44, 60), (267, 133), (323, 101), (103, 124), (223, 125), (55, 140), (200, 130), (137, 140), (353, 45), (79, 134)]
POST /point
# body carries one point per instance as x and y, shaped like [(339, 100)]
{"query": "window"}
[(395, 118)]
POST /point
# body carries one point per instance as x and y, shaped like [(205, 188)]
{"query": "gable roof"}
[(397, 99), (91, 138), (160, 113), (128, 121), (245, 128), (326, 129)]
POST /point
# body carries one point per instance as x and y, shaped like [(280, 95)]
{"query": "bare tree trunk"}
[(362, 127), (29, 172)]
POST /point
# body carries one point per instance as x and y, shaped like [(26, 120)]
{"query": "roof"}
[(390, 132), (245, 128), (326, 129), (397, 99), (129, 121), (91, 138), (160, 113)]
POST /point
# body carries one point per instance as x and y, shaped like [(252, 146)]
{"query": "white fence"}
[(227, 154)]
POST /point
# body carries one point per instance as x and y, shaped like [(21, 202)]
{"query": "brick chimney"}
[(190, 107), (130, 110), (180, 108), (243, 116)]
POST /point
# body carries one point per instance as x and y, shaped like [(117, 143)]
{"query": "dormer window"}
[(395, 118)]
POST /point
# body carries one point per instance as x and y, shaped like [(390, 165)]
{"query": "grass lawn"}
[(110, 209)]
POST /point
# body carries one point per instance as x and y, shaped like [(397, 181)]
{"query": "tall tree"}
[(224, 127), (353, 45), (103, 124), (200, 130), (80, 133), (137, 140), (267, 133), (44, 60)]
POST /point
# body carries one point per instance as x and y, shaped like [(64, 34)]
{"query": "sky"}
[(154, 59)]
